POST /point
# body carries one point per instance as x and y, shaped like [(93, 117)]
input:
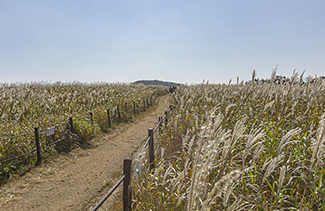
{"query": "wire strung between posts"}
[(3, 139), (30, 152), (83, 117), (148, 168), (156, 127), (41, 130), (48, 145), (109, 193), (147, 172), (18, 156), (119, 182), (156, 150), (147, 142), (62, 139), (57, 125)]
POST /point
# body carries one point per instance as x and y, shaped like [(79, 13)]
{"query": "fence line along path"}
[(79, 183)]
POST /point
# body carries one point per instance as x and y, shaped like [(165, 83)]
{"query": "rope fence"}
[(127, 193), (52, 136)]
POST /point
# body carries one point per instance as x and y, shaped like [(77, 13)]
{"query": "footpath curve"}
[(78, 180)]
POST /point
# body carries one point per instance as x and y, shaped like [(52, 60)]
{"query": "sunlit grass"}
[(27, 106), (241, 147)]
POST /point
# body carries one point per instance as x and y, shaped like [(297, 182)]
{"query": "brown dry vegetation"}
[(241, 147), (79, 179), (42, 105)]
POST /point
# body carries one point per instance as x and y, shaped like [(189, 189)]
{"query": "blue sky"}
[(174, 40)]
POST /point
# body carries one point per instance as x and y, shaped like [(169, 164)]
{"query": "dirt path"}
[(77, 181)]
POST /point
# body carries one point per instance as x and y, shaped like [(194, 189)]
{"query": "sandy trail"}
[(76, 181)]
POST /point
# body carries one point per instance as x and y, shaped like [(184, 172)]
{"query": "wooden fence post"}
[(148, 103), (108, 118), (144, 105), (127, 191), (126, 106), (160, 123), (166, 120), (38, 148), (91, 117), (118, 112), (151, 149), (71, 125)]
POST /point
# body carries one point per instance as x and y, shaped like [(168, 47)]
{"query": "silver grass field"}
[(247, 146), (40, 104)]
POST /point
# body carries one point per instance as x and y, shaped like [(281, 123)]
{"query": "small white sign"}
[(113, 112), (137, 172), (50, 131)]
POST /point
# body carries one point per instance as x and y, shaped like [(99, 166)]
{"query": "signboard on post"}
[(50, 131)]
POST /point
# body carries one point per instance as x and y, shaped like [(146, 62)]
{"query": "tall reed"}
[(39, 104), (247, 146)]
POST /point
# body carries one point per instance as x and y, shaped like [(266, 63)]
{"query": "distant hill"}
[(156, 83)]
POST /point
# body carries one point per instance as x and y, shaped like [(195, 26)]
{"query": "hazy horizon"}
[(180, 41)]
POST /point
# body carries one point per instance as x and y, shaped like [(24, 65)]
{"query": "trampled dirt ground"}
[(79, 179)]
